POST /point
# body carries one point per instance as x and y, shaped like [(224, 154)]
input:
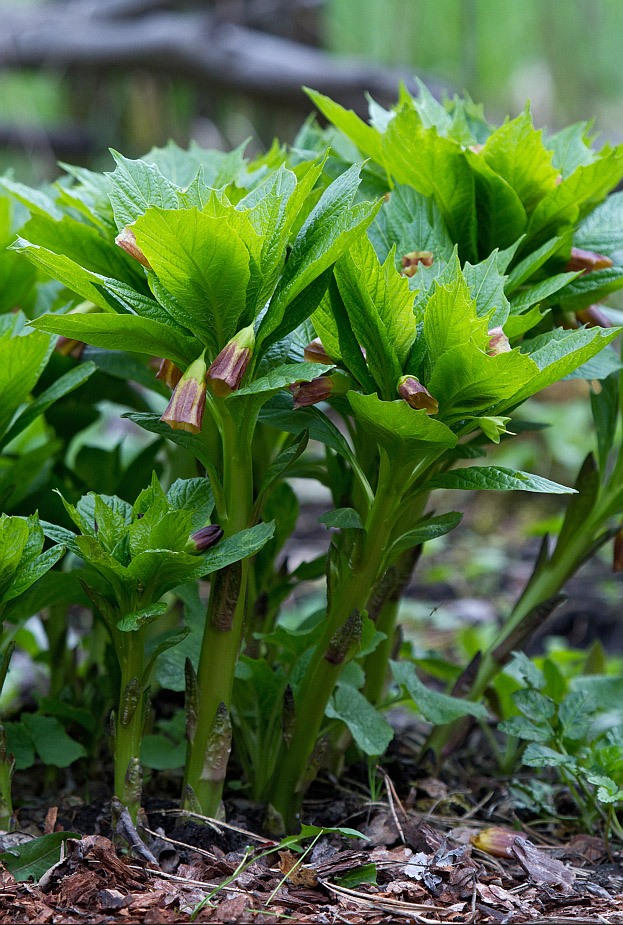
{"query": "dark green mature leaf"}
[(281, 377), (434, 706), (191, 442), (501, 216), (427, 530), (239, 546), (279, 413), (62, 386), (14, 537), (52, 743), (193, 495), (522, 728), (530, 264), (34, 858), (576, 715), (142, 617), (494, 478), (161, 753), (602, 229), (22, 360), (540, 756), (370, 730), (586, 186), (590, 288), (394, 424), (344, 518), (558, 353), (605, 410), (286, 458), (123, 332)]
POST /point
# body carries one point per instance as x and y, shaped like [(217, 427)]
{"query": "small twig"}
[(217, 824), (391, 794), (181, 844)]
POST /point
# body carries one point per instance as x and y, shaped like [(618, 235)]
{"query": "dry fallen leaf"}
[(298, 876)]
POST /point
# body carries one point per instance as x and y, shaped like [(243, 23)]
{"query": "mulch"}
[(428, 870)]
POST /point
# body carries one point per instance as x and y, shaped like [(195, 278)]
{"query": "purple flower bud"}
[(127, 242), (587, 261), (498, 342), (315, 353), (411, 261), (203, 539), (226, 372), (416, 395), (169, 373), (185, 410), (320, 389)]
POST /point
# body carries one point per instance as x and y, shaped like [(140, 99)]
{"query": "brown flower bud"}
[(416, 395), (127, 242), (203, 539), (169, 373), (320, 389), (315, 353), (68, 347), (587, 261), (226, 372), (496, 841), (411, 261), (477, 148), (593, 317), (498, 342), (185, 410)]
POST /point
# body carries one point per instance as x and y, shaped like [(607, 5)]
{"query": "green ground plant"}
[(392, 313)]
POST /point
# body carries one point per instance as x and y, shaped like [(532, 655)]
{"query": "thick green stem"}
[(224, 625), (129, 722), (7, 763), (322, 675)]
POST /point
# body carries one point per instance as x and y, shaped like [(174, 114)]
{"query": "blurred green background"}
[(562, 54)]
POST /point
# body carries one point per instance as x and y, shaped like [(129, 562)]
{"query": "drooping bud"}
[(169, 373), (320, 389), (226, 372), (218, 746), (498, 342), (129, 701), (347, 636), (69, 347), (411, 261), (587, 261), (315, 353), (416, 395), (477, 148), (127, 242), (203, 539), (593, 317), (617, 559), (495, 841), (185, 410), (288, 716)]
